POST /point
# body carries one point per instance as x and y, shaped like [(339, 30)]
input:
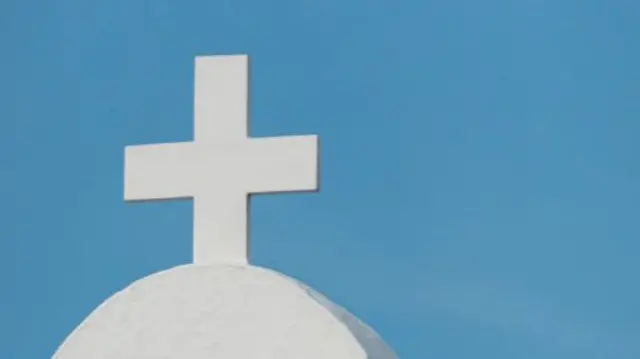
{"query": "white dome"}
[(221, 312)]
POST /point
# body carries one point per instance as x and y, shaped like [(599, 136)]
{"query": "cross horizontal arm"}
[(282, 164), (155, 172)]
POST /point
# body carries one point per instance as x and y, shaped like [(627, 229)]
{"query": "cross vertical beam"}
[(221, 92)]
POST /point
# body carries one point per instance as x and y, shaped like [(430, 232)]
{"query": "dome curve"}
[(210, 312)]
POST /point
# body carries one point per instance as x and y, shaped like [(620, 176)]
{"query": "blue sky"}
[(480, 163)]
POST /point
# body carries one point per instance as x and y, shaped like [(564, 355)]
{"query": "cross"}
[(222, 166)]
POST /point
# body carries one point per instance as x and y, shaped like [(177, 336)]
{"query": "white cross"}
[(222, 166)]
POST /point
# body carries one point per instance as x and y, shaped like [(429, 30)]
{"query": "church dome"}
[(221, 312)]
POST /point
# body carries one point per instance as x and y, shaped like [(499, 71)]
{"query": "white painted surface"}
[(221, 307), (222, 165), (221, 312)]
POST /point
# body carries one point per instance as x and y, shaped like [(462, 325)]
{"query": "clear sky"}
[(480, 163)]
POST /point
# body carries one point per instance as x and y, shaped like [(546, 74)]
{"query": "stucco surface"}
[(225, 312)]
